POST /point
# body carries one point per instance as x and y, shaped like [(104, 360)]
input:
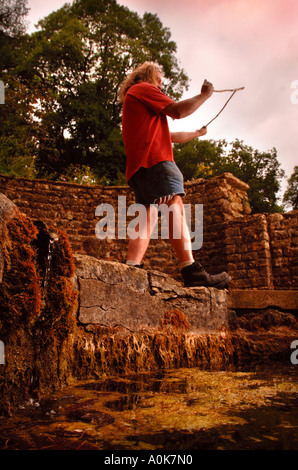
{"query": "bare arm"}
[(182, 137), (186, 107)]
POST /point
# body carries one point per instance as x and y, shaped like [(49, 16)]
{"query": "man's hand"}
[(201, 131), (182, 137), (207, 88)]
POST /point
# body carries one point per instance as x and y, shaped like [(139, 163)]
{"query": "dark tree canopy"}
[(261, 170), (62, 118), (12, 13), (290, 197), (73, 66)]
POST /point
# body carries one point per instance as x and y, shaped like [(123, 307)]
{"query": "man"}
[(150, 167)]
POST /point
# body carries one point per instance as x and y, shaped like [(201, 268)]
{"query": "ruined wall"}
[(248, 252), (65, 316), (259, 251), (284, 249)]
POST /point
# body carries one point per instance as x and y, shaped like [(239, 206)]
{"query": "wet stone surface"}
[(184, 409)]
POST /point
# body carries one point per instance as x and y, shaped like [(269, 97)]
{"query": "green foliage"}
[(12, 14), (290, 198), (18, 143), (62, 117), (17, 129), (261, 170), (72, 68), (79, 175)]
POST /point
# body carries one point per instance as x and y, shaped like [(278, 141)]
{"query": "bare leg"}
[(193, 273), (178, 231), (137, 247)]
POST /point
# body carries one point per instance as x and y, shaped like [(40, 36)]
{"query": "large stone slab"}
[(260, 299), (113, 294)]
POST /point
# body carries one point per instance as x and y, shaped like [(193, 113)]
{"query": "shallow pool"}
[(183, 409)]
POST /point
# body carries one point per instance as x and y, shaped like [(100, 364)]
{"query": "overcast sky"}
[(232, 43)]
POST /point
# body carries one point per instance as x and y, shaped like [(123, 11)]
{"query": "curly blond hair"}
[(147, 72)]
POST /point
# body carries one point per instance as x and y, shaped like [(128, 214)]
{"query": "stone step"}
[(113, 294), (260, 299)]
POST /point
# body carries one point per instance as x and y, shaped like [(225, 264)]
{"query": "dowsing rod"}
[(229, 89), (233, 90)]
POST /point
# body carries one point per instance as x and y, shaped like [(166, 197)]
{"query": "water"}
[(44, 244), (52, 242), (184, 409)]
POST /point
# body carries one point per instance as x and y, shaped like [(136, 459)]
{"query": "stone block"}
[(113, 294), (117, 305), (261, 299)]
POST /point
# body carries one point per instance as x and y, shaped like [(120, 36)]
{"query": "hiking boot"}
[(196, 276), (140, 266)]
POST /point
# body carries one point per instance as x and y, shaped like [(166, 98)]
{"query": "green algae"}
[(184, 409)]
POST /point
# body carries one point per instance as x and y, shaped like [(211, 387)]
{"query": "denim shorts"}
[(152, 184)]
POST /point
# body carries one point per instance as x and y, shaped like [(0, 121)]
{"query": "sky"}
[(232, 43)]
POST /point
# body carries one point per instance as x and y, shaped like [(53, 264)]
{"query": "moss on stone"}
[(20, 291), (35, 324)]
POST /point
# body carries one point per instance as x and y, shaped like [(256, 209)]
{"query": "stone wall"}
[(258, 251), (248, 252), (65, 316), (284, 249)]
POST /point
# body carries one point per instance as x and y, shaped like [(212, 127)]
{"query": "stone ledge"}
[(261, 299), (113, 294)]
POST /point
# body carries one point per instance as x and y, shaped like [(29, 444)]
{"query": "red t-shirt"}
[(145, 129)]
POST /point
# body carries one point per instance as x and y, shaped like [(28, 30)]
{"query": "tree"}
[(18, 131), (199, 158), (77, 61), (290, 198), (261, 170), (17, 127), (12, 28), (12, 13)]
